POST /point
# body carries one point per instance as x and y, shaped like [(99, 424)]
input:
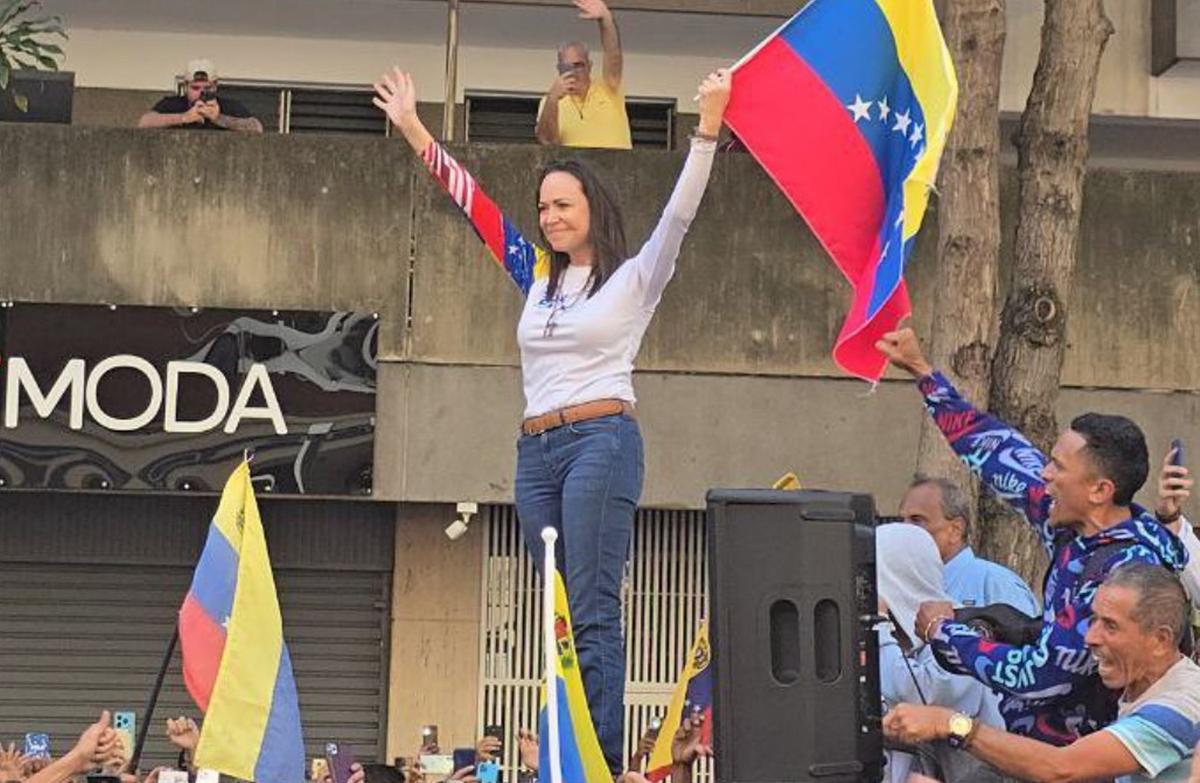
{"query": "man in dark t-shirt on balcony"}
[(199, 108)]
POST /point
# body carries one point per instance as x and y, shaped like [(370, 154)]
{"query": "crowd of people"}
[(1100, 685), (1103, 688), (100, 755)]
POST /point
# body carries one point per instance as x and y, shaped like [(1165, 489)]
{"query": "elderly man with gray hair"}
[(577, 110), (943, 509), (1133, 635)]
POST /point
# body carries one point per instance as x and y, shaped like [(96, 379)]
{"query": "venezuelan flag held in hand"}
[(848, 106), (235, 663), (581, 758), (693, 695)]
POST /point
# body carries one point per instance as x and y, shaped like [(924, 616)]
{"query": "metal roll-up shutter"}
[(90, 587)]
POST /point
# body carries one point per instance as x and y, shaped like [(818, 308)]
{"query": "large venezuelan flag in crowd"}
[(235, 662), (848, 106)]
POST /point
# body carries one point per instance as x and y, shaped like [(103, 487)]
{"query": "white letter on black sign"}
[(257, 376), (20, 377), (132, 363), (171, 422)]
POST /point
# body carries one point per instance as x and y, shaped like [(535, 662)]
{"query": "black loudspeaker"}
[(795, 653), (50, 93)]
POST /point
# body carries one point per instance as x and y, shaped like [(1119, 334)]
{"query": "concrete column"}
[(436, 622)]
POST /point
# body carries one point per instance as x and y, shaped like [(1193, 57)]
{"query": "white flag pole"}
[(549, 537)]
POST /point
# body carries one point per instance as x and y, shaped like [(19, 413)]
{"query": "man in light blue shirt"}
[(944, 510)]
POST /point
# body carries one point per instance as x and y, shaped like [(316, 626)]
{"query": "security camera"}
[(455, 529)]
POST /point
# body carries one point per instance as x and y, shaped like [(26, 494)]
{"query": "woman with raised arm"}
[(587, 305)]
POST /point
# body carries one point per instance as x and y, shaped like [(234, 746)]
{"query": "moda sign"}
[(151, 398), (80, 388)]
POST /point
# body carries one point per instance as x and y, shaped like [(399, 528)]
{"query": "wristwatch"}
[(961, 728)]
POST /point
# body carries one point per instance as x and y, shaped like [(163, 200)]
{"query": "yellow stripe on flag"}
[(541, 267), (923, 55)]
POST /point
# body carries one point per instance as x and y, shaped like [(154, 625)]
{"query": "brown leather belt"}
[(536, 425)]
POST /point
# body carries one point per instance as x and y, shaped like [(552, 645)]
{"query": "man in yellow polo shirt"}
[(577, 110)]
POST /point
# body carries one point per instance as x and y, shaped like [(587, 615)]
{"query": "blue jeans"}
[(584, 480)]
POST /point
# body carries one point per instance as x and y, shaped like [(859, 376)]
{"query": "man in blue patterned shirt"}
[(1138, 621), (1079, 500)]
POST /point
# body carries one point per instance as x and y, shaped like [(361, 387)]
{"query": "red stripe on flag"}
[(855, 350), (489, 221), (805, 139), (203, 641)]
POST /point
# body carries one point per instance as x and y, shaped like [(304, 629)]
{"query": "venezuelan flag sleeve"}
[(580, 755), (524, 261), (235, 663), (848, 106), (693, 694)]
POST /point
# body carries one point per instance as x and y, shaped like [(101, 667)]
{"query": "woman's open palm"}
[(396, 96)]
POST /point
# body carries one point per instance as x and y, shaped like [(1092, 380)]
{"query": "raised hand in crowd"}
[(488, 748), (118, 759), (466, 774), (94, 748), (1174, 489), (37, 763), (414, 770), (645, 747), (396, 96), (13, 764), (528, 749), (183, 733), (357, 774), (904, 351), (686, 746)]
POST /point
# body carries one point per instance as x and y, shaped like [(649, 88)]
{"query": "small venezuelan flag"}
[(580, 755), (692, 695), (235, 663), (848, 106)]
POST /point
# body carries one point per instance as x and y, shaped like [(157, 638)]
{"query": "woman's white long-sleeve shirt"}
[(575, 348)]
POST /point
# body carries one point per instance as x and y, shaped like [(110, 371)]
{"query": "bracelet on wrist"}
[(713, 137), (929, 625)]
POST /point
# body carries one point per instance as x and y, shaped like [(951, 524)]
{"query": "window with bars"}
[(665, 598), (511, 118), (309, 108), (497, 117)]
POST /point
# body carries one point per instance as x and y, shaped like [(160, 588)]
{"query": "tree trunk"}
[(962, 338), (1052, 152)]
